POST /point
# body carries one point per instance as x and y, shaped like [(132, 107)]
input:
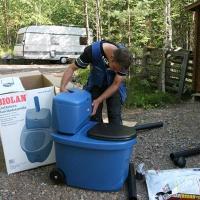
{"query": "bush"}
[(142, 95), (82, 76), (5, 52)]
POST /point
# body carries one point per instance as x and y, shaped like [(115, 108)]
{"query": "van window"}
[(83, 40), (20, 38)]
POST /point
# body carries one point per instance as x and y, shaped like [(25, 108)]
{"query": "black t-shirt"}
[(86, 58)]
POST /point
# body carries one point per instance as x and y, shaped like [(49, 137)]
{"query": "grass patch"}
[(142, 95)]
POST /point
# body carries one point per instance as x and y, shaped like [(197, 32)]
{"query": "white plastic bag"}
[(162, 183)]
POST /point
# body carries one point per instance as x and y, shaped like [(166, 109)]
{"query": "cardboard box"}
[(25, 121)]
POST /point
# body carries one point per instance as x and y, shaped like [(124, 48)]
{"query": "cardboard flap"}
[(35, 81), (31, 80), (10, 84)]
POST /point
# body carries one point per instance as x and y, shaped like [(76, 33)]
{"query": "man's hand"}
[(67, 76), (95, 105), (107, 93), (63, 89)]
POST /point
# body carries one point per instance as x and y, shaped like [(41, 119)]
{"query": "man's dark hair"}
[(124, 57)]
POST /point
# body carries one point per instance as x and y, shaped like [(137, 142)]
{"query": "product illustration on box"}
[(8, 83), (35, 139)]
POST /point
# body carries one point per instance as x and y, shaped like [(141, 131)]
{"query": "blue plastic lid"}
[(73, 96), (80, 139)]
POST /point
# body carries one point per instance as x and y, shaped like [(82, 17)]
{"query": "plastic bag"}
[(164, 183)]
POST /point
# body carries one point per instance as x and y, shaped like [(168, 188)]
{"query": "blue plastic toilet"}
[(89, 155), (71, 111)]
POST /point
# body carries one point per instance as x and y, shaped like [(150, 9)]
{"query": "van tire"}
[(63, 60)]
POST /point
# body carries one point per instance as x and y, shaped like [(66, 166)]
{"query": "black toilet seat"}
[(105, 131)]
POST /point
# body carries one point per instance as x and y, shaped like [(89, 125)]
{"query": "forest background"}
[(136, 23)]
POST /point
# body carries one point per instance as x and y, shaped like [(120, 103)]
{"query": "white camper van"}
[(50, 42)]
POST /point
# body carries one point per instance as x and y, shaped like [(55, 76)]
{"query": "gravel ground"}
[(181, 130)]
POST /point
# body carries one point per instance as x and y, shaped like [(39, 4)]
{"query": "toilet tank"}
[(71, 110)]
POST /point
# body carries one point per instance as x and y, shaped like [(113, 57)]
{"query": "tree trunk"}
[(108, 19), (108, 24), (100, 23), (86, 21), (191, 34), (163, 69), (168, 41), (6, 19), (168, 25), (129, 23), (98, 28)]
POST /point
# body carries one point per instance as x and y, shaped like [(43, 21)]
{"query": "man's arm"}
[(81, 62), (108, 92), (67, 76)]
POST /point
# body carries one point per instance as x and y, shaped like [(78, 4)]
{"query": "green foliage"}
[(82, 76), (146, 19), (1, 52), (142, 95), (182, 23), (5, 52)]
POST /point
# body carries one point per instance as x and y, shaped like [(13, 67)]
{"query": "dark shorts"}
[(113, 106)]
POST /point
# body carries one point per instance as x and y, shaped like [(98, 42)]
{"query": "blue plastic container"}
[(71, 110), (92, 164)]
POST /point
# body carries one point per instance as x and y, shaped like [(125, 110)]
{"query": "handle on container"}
[(70, 91), (37, 104)]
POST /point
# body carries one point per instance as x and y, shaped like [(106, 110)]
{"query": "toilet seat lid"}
[(105, 131)]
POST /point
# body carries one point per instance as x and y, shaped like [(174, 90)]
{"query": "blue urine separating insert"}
[(37, 104)]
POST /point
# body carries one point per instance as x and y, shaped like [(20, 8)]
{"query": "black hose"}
[(185, 153), (132, 192), (148, 126)]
